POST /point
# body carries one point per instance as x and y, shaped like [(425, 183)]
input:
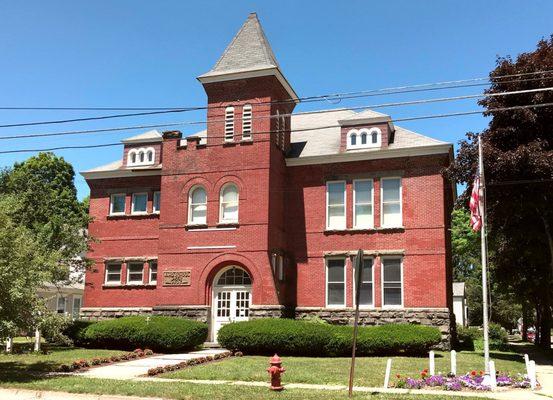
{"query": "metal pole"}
[(484, 247), (358, 265)]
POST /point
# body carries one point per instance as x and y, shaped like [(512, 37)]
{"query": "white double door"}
[(229, 305)]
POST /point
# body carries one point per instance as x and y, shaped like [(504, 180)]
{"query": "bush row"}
[(159, 333), (470, 338), (84, 364), (302, 338), (187, 363)]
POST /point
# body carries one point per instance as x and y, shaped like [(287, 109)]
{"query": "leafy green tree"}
[(518, 149)]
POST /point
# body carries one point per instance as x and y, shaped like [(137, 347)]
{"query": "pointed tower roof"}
[(248, 55)]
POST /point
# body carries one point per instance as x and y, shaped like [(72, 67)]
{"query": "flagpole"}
[(484, 247)]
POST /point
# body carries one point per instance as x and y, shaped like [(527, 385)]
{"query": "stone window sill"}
[(134, 216), (130, 286), (195, 226), (363, 230), (228, 225)]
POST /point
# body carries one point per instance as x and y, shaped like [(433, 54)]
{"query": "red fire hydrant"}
[(275, 370)]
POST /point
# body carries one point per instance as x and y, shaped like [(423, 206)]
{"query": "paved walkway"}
[(139, 367), (25, 394)]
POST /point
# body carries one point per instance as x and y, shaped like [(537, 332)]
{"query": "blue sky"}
[(144, 53)]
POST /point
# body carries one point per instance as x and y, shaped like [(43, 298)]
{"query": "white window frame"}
[(150, 280), (110, 264), (382, 262), (134, 283), (247, 122), (400, 202), (154, 210), (229, 221), (137, 152), (111, 212), (364, 306), (358, 143), (133, 212), (371, 224), (80, 298), (190, 204), (326, 260), (229, 124), (328, 227)]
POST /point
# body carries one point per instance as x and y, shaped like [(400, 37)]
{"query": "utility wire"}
[(274, 116), (432, 116), (324, 97)]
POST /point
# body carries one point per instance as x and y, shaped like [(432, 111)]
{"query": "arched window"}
[(374, 136), (229, 124), (133, 157), (229, 203), (234, 276), (247, 122), (141, 156), (150, 156), (197, 208), (353, 139), (363, 138)]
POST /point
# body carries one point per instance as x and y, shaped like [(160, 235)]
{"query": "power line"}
[(324, 97), (432, 116), (273, 116), (518, 182)]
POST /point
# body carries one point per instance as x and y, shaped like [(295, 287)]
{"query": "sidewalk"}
[(139, 367), (25, 394)]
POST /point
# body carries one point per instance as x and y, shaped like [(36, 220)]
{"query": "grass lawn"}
[(369, 371)]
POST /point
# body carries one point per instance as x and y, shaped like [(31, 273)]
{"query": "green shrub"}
[(293, 337), (268, 336), (159, 333), (497, 333), (466, 336), (75, 331)]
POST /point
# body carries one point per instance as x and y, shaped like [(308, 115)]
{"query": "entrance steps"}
[(211, 345)]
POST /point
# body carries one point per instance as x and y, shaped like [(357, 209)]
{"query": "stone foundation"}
[(268, 311), (437, 317), (199, 313)]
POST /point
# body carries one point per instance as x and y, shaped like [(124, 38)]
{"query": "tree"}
[(42, 235), (518, 149)]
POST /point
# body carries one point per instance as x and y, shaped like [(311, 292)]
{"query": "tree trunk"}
[(524, 328), (546, 319)]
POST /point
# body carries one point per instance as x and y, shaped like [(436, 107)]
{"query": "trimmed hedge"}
[(293, 337), (159, 333)]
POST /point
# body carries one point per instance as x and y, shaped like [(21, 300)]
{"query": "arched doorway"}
[(232, 296)]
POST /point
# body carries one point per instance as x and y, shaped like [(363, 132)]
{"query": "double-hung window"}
[(135, 273), (140, 203), (153, 272), (391, 202), (113, 274), (366, 294), (392, 282), (336, 282), (229, 203), (197, 210), (156, 202), (77, 302), (117, 204), (336, 205), (363, 203)]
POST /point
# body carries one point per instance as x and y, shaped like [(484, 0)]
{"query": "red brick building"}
[(260, 214)]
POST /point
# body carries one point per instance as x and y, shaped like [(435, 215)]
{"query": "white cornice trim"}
[(121, 173), (370, 155), (150, 140), (231, 76)]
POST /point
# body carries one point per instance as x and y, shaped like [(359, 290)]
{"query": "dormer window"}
[(364, 138), (141, 156)]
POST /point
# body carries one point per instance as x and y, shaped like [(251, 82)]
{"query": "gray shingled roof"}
[(249, 50), (321, 142), (150, 136)]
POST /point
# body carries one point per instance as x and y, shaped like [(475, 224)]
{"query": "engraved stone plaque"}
[(176, 278)]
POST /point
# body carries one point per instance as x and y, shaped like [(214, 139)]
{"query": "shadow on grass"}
[(13, 371)]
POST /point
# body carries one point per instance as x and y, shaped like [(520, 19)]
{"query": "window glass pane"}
[(335, 270), (374, 137), (367, 274), (140, 202), (153, 271), (392, 269), (391, 215), (366, 294), (61, 304), (363, 215), (363, 190), (336, 193), (336, 293), (118, 203), (353, 140), (113, 273), (390, 189), (230, 194), (199, 214), (199, 196), (230, 212), (392, 296), (135, 272), (364, 138), (336, 217), (76, 307), (157, 201)]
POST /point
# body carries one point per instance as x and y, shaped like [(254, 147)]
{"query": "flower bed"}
[(470, 381), (188, 363), (79, 365)]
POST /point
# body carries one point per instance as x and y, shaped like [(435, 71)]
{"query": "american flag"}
[(474, 204)]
